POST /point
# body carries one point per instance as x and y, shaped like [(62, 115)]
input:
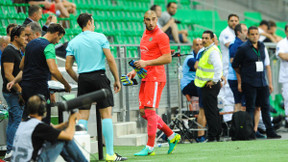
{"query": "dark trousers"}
[(210, 104), (258, 96), (28, 92)]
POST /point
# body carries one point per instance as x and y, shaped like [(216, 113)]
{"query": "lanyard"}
[(257, 53)]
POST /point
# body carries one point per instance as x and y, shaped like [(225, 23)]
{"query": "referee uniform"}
[(89, 56)]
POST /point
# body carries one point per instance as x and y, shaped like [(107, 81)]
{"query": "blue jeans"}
[(67, 149), (15, 115)]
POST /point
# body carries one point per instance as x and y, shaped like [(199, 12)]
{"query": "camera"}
[(177, 21)]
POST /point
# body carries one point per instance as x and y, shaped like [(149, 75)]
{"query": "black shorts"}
[(190, 89), (93, 81)]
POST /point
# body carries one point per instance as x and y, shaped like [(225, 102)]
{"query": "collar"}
[(231, 30), (151, 31), (238, 40), (30, 19), (251, 45), (10, 44), (206, 48)]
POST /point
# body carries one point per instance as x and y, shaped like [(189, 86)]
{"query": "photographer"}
[(169, 24), (37, 141)]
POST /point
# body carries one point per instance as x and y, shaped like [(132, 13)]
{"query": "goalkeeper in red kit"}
[(155, 52)]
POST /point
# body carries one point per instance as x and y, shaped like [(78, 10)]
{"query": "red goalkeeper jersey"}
[(154, 44)]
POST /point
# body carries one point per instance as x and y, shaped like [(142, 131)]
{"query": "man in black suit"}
[(35, 14)]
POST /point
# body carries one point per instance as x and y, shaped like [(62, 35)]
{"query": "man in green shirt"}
[(39, 64)]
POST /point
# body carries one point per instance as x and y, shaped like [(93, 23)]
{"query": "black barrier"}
[(83, 100), (87, 99)]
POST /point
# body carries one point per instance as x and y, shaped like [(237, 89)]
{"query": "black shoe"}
[(286, 124), (261, 131), (273, 136)]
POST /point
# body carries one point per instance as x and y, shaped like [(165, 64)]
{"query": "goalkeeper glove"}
[(127, 81), (141, 73)]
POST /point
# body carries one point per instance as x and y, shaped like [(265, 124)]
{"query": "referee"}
[(89, 49)]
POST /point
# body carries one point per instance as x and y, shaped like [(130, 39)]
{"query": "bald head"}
[(150, 19), (4, 41), (34, 105), (149, 13), (197, 45), (215, 40)]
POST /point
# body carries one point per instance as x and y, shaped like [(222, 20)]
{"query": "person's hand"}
[(131, 74), (10, 85), (209, 84), (51, 19), (224, 79), (67, 87), (171, 21), (52, 98), (271, 88), (21, 100), (75, 116), (239, 87), (117, 86), (140, 64), (46, 4)]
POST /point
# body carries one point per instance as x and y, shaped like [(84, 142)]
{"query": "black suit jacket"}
[(27, 21)]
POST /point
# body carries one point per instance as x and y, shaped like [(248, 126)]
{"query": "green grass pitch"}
[(242, 151)]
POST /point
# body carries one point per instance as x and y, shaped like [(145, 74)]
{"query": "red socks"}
[(163, 126), (151, 126), (154, 122)]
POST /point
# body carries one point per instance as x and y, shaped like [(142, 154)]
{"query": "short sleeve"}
[(69, 50), (267, 59), (280, 49), (163, 43), (232, 50), (7, 56), (228, 38), (239, 56), (104, 42), (158, 24), (46, 132), (49, 52)]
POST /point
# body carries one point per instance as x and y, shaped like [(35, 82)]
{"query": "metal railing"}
[(126, 100)]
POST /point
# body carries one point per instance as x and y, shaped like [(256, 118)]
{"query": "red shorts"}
[(51, 9), (150, 94)]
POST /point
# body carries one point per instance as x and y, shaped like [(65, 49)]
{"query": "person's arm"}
[(21, 66), (191, 64), (56, 73), (46, 4), (68, 133), (239, 80), (269, 76), (215, 60), (61, 126), (269, 36), (8, 73), (69, 67), (168, 24), (162, 60), (16, 80), (50, 56), (283, 56), (237, 62), (113, 68), (227, 44)]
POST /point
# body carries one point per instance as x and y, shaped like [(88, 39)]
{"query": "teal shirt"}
[(87, 49)]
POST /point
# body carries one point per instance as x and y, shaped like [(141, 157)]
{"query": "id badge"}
[(259, 66)]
